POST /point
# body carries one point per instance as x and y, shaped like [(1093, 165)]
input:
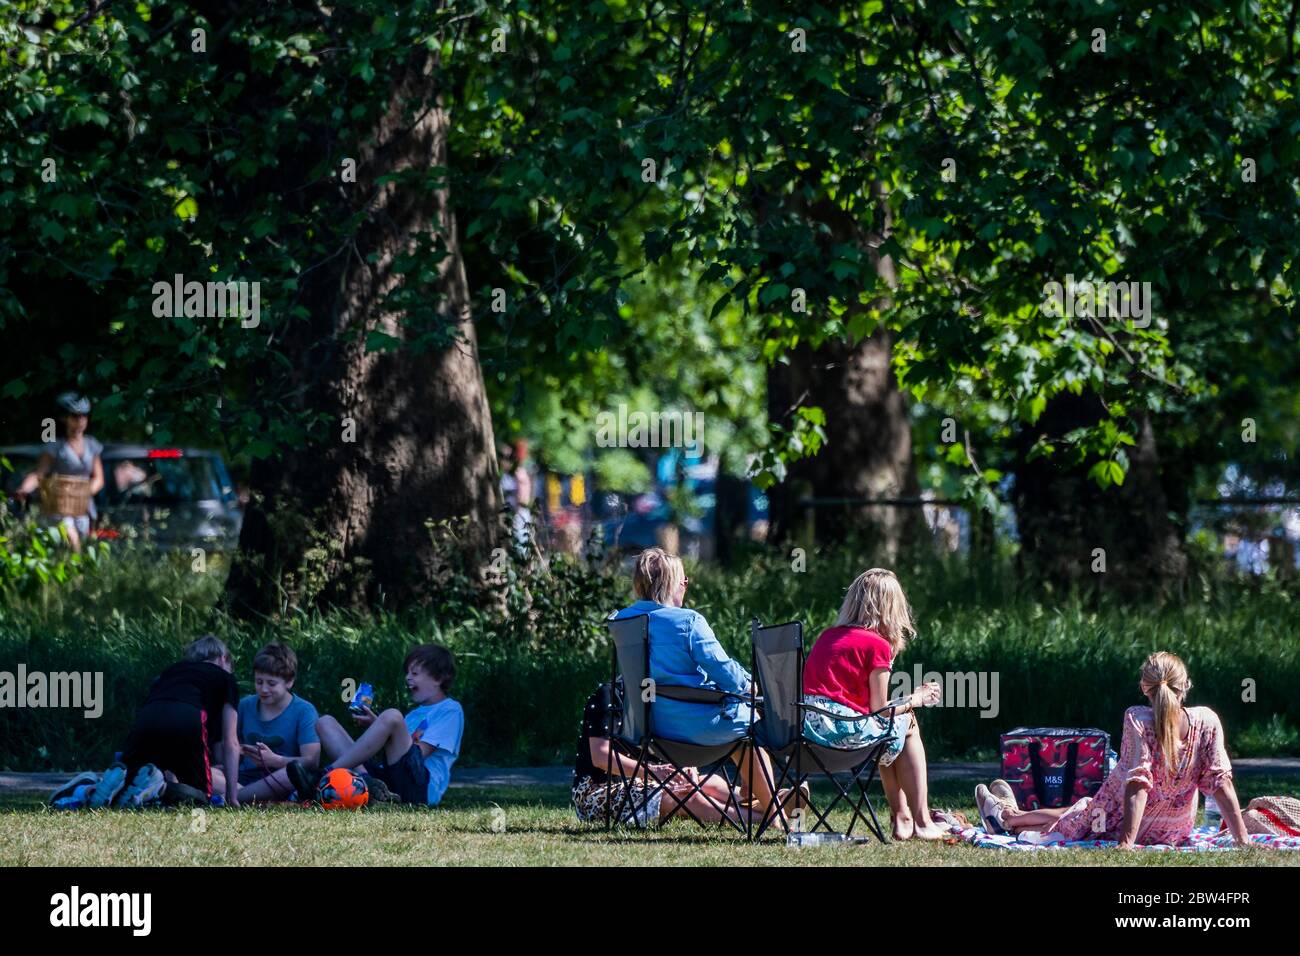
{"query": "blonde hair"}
[(657, 575), (1164, 680), (876, 600)]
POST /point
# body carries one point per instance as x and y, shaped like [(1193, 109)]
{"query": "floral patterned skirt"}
[(852, 734), (633, 802), (636, 802)]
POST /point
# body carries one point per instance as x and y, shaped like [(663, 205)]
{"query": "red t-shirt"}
[(840, 662)]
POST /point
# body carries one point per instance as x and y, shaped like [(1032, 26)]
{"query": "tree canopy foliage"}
[(669, 196)]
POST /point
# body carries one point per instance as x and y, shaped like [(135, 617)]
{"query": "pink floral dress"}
[(1170, 813)]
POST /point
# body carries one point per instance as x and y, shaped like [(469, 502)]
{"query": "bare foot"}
[(773, 815), (931, 832), (904, 827), (744, 817)]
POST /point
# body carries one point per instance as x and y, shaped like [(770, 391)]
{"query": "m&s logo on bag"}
[(1053, 766)]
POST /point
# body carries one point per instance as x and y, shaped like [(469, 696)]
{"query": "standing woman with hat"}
[(74, 455)]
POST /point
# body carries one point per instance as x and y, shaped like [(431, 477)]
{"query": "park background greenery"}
[(820, 170), (531, 647)]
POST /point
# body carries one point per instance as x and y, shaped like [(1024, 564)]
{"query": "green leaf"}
[(772, 292), (1100, 473), (377, 341), (720, 305), (1037, 405)]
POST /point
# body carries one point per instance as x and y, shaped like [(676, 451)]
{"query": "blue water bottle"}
[(363, 698)]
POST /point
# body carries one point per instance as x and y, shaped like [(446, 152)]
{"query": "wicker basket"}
[(65, 495), (1277, 815)]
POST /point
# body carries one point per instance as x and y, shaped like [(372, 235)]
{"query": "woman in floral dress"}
[(1168, 753)]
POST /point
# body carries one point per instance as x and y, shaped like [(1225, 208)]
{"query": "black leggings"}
[(171, 736)]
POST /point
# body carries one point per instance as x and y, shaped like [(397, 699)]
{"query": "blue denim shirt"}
[(684, 652)]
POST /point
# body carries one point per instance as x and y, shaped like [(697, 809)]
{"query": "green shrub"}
[(1272, 738), (530, 646), (36, 562)]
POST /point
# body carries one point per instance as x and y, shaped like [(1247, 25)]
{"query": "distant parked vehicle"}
[(629, 522), (173, 497)]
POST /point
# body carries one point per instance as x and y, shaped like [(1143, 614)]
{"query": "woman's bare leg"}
[(899, 812), (718, 789), (909, 768), (753, 776), (1017, 820), (74, 536), (709, 811)]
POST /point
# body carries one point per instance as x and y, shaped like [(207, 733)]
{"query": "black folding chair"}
[(635, 739), (778, 669)]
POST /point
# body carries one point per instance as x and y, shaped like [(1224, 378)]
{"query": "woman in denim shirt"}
[(684, 652)]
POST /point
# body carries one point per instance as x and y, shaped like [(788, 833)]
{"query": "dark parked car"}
[(174, 497)]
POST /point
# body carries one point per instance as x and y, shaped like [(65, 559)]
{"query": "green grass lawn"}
[(540, 830)]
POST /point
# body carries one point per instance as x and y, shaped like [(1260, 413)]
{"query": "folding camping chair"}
[(636, 740), (778, 669)]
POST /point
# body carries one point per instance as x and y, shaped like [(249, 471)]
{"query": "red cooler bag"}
[(1054, 766)]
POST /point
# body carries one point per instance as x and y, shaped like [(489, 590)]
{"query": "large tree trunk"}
[(868, 448), (1063, 517), (344, 522)]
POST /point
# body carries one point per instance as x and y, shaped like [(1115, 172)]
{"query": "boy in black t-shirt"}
[(191, 705), (639, 801)]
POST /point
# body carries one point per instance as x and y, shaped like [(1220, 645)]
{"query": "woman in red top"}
[(847, 673)]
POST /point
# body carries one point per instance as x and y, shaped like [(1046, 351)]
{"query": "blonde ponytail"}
[(1165, 682)]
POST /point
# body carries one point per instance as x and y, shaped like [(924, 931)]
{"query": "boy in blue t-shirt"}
[(275, 727), (411, 754)]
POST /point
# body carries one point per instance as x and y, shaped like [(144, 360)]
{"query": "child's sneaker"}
[(74, 794), (79, 799), (1003, 793), (304, 781), (379, 791), (146, 788), (990, 810), (177, 794), (110, 785)]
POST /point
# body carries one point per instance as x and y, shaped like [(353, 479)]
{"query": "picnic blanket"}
[(1202, 840)]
